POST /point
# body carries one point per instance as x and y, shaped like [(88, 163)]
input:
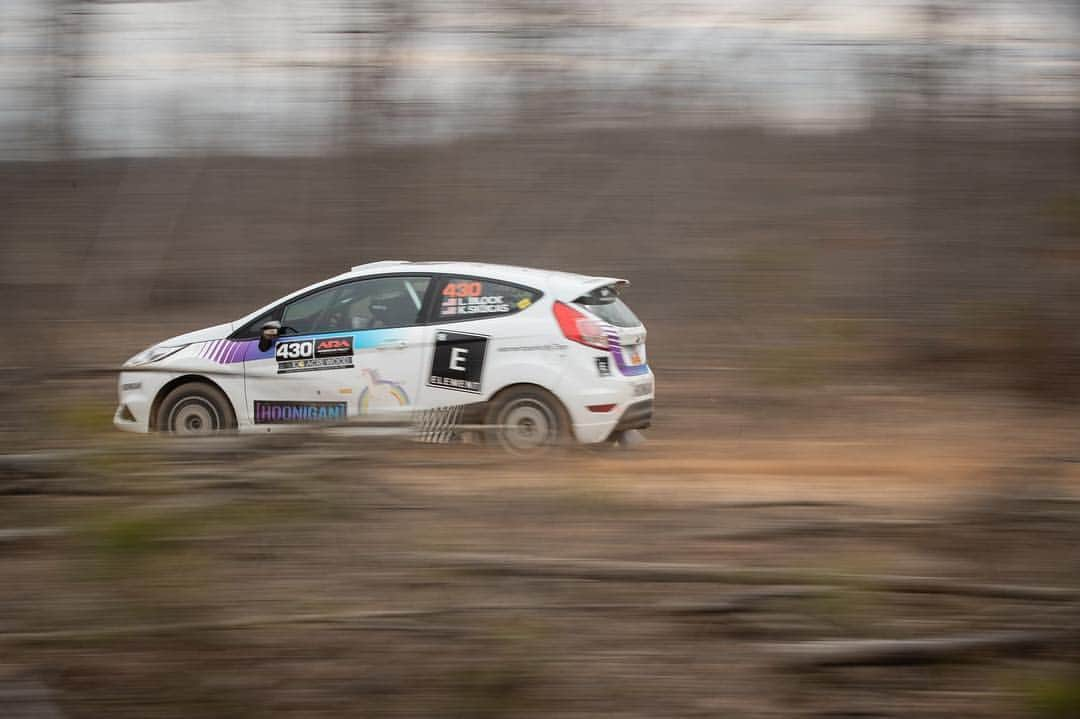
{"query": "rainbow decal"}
[(380, 393)]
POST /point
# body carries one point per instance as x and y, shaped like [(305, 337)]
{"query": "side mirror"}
[(268, 335)]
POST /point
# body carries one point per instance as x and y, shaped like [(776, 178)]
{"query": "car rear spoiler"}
[(568, 289)]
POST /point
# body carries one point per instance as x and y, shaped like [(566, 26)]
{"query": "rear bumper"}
[(600, 406), (636, 416)]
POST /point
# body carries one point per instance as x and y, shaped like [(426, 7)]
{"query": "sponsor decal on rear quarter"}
[(458, 362)]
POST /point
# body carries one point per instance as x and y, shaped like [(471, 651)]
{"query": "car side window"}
[(476, 298), (253, 328), (374, 303), (303, 316)]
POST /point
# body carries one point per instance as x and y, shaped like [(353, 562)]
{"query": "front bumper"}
[(136, 392)]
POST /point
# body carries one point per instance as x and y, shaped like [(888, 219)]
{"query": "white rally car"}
[(537, 356)]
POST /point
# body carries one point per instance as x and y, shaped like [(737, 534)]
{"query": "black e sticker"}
[(458, 362), (314, 354)]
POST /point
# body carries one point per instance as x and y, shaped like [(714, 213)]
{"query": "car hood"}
[(216, 332)]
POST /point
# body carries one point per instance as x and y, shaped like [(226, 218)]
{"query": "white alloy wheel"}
[(195, 409)]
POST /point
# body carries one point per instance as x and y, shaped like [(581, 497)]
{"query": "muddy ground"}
[(816, 567), (859, 498)]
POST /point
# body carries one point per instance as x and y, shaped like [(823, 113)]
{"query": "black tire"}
[(195, 409), (527, 420)]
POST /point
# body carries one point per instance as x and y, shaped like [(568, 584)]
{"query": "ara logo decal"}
[(333, 346)]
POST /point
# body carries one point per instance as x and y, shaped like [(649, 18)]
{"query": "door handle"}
[(392, 345)]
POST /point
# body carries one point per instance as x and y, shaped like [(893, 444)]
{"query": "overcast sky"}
[(270, 76)]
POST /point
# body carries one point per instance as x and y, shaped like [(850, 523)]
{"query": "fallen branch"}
[(375, 619), (821, 528), (43, 464), (629, 571), (385, 618), (13, 536), (864, 652), (784, 503), (52, 488), (739, 603)]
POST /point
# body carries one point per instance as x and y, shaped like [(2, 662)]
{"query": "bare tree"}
[(377, 34), (67, 35)]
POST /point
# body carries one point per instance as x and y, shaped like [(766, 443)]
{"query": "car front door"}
[(346, 350)]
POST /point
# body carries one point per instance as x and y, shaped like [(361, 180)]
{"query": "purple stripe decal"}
[(235, 352), (616, 351), (252, 351)]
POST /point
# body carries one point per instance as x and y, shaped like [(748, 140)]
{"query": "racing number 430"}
[(462, 289), (295, 350)]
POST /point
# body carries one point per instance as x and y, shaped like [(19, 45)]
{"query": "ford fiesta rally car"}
[(537, 356)]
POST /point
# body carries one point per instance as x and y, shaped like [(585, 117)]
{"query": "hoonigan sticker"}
[(299, 412)]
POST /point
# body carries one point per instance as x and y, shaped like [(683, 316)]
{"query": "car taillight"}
[(579, 327)]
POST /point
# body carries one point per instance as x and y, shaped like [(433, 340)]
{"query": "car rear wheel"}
[(527, 420), (195, 410)]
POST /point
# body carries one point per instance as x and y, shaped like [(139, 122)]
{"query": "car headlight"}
[(153, 354)]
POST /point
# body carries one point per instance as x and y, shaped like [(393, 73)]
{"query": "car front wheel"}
[(527, 420), (195, 409)]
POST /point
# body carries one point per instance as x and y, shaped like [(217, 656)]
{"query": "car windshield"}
[(604, 302)]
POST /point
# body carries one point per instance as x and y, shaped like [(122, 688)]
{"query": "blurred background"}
[(852, 229)]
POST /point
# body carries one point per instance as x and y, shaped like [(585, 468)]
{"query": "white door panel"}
[(333, 376)]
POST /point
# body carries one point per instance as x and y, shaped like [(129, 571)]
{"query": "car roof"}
[(564, 285)]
